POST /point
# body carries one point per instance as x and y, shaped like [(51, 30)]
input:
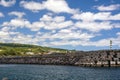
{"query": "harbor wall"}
[(103, 58)]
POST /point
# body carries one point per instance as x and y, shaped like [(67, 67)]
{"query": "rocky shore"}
[(101, 58)]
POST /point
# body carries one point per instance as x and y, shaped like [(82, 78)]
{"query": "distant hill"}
[(7, 49)]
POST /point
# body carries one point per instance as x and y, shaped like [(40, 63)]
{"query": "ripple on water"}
[(52, 72)]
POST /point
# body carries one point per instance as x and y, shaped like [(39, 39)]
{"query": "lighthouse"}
[(110, 44)]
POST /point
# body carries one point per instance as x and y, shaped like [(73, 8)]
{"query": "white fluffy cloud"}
[(96, 22), (99, 43), (3, 34), (16, 13), (108, 8), (67, 34), (57, 22), (8, 35), (50, 23), (94, 26), (47, 22), (89, 16), (22, 38), (7, 3), (21, 22), (35, 26), (56, 6), (1, 14), (36, 6), (49, 18), (14, 23)]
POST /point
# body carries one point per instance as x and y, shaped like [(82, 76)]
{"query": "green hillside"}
[(16, 49)]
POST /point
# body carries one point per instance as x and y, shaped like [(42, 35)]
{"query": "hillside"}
[(11, 49)]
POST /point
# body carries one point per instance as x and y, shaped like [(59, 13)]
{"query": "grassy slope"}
[(7, 49)]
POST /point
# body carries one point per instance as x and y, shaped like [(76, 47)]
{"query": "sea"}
[(56, 72)]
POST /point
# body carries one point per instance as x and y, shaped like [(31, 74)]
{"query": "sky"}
[(67, 24)]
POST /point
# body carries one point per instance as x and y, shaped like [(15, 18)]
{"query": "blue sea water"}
[(53, 72)]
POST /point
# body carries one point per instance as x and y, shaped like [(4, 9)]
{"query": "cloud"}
[(7, 3), (64, 37), (12, 36), (25, 39), (118, 33), (15, 23), (17, 38), (61, 37), (51, 5), (94, 26), (48, 18), (78, 42), (96, 22), (116, 25), (5, 29), (108, 8), (67, 34), (57, 22), (1, 14), (36, 6), (48, 22), (58, 6), (3, 34), (89, 16), (35, 26), (22, 23), (16, 13), (103, 42), (6, 34)]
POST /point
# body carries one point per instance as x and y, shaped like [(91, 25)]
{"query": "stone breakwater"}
[(102, 58)]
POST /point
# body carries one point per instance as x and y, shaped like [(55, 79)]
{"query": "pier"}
[(102, 58)]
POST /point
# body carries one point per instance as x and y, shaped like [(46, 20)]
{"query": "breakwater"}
[(102, 58)]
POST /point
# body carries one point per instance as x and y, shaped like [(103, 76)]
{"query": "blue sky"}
[(68, 24)]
